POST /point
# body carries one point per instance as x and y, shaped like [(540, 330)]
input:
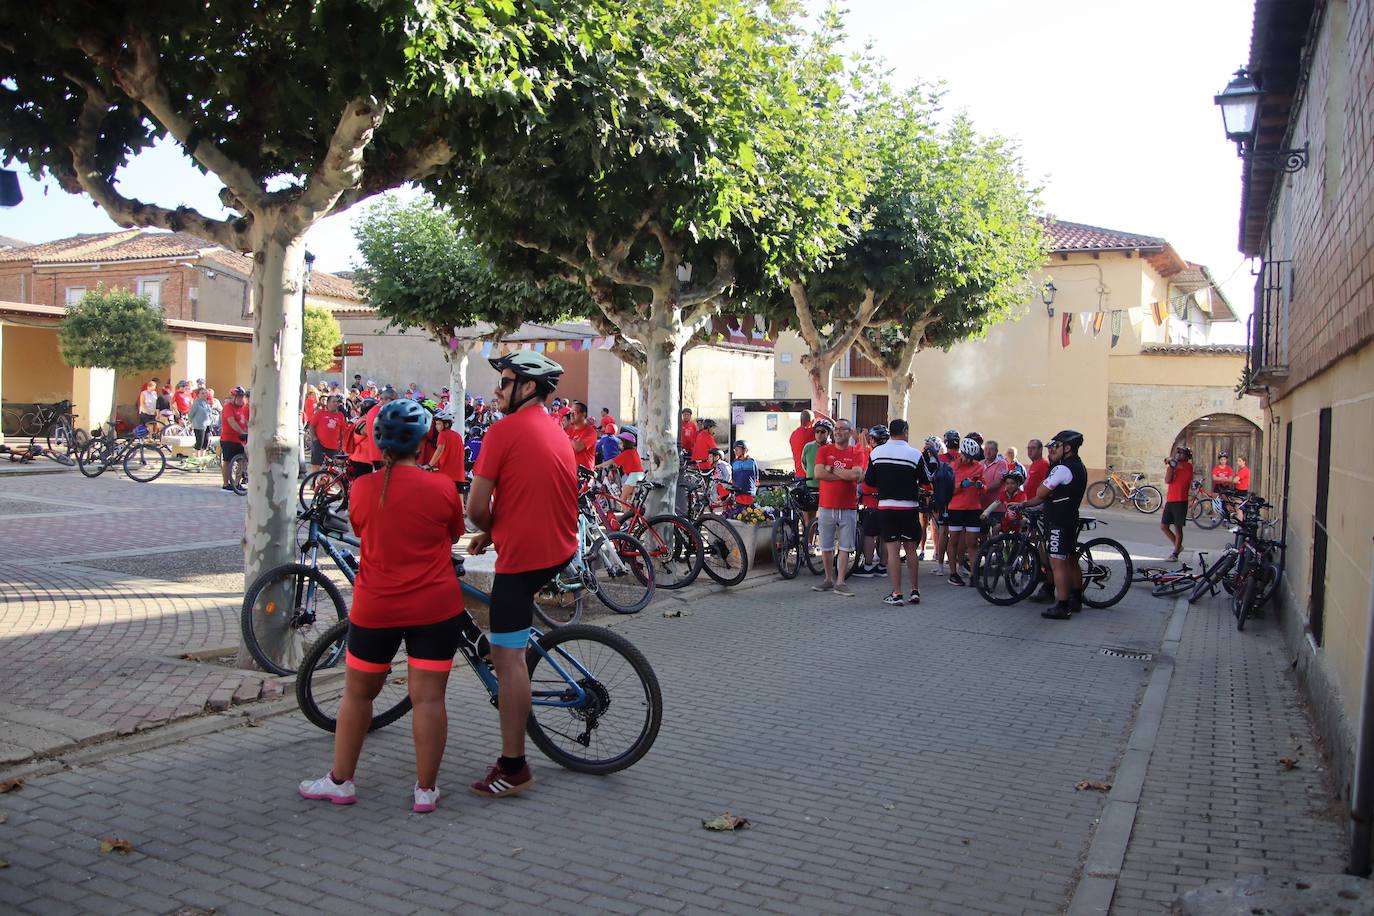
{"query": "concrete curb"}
[(1107, 851)]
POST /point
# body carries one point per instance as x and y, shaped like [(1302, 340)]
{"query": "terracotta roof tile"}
[(127, 245), (1195, 349), (1066, 236), (326, 284)]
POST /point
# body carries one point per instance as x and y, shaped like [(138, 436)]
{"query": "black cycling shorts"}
[(964, 520), (512, 597), (1061, 540), (430, 646), (228, 450), (870, 519), (1175, 514), (318, 453), (900, 524)]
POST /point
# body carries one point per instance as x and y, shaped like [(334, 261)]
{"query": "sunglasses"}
[(504, 382)]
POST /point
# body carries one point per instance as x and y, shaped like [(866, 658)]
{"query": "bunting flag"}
[(486, 349), (1116, 327), (607, 342), (1067, 329), (1085, 321), (1097, 323), (1160, 311)]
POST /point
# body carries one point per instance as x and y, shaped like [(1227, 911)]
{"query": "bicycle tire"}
[(647, 702), (238, 474), (811, 549), (1210, 580), (320, 678), (304, 625), (1209, 517), (786, 548), (1243, 602), (638, 566), (144, 463), (1175, 587), (726, 560), (60, 434), (11, 421), (1006, 560), (325, 483), (28, 424), (92, 461), (1113, 587), (1269, 583), (558, 608), (1101, 494), (1148, 499), (674, 548)]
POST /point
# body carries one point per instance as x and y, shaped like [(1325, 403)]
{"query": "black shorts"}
[(871, 522), (357, 469), (964, 520), (430, 646), (228, 450), (318, 453), (202, 438), (900, 524), (1061, 540), (1175, 513), (512, 598)]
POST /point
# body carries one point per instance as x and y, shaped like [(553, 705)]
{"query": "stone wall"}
[(1142, 420)]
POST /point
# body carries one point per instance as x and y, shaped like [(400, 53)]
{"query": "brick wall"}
[(48, 286), (1325, 218)]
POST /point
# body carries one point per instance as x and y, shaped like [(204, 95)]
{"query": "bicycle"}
[(142, 460), (792, 541), (55, 422), (1145, 497), (598, 716), (330, 482), (693, 488), (1008, 567), (1249, 555), (1172, 582), (672, 540)]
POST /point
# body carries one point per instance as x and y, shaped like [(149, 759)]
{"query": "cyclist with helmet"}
[(364, 456), (942, 491), (1062, 494), (951, 452), (821, 432), (799, 439), (405, 591), (965, 507), (895, 469), (1178, 478), (703, 443), (233, 431), (449, 455), (627, 463), (524, 498), (870, 524)]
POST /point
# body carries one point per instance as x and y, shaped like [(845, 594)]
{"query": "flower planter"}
[(758, 541)]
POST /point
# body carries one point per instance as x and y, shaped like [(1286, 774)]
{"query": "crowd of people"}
[(1228, 483)]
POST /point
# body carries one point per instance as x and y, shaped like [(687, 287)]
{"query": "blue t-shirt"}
[(745, 474), (607, 447)]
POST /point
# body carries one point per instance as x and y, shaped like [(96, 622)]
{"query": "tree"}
[(419, 270), (321, 334), (961, 236), (707, 157), (301, 110), (116, 330)]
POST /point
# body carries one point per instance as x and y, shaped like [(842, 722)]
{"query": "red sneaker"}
[(497, 784)]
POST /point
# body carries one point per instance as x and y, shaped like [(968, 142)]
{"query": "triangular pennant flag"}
[(1116, 327), (1085, 321), (732, 323), (746, 324), (719, 326), (1066, 330), (607, 342), (1097, 322), (1159, 310), (539, 346), (759, 323), (486, 349)]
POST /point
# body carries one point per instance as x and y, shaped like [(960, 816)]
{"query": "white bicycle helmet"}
[(934, 442), (970, 448), (444, 414)]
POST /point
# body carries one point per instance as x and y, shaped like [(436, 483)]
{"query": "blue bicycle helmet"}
[(400, 426)]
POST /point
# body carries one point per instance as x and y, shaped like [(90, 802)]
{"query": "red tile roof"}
[(1066, 236), (126, 245)]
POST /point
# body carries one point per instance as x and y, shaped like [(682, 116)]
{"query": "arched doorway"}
[(1215, 433)]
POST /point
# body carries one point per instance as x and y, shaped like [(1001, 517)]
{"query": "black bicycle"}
[(790, 533), (1008, 567), (142, 459)]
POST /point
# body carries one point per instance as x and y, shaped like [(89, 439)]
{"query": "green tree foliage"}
[(114, 329), (321, 335)]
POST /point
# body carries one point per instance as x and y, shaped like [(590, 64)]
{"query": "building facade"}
[(1310, 362)]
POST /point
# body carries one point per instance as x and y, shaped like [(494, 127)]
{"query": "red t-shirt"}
[(451, 461), (240, 415), (950, 457), (585, 433), (328, 426), (701, 448), (308, 408), (1035, 476), (534, 503), (800, 436), (969, 497), (628, 461), (365, 449), (868, 497), (840, 494), (689, 435), (405, 574), (1222, 474), (182, 400), (1178, 487), (1243, 479), (607, 424)]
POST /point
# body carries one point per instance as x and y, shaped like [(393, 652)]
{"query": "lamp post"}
[(1239, 103)]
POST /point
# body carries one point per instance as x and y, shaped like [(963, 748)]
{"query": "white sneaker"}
[(326, 789), (939, 569), (426, 800)]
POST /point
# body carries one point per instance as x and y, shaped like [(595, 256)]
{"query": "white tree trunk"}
[(899, 395), (458, 383), (274, 423), (662, 335), (818, 373)]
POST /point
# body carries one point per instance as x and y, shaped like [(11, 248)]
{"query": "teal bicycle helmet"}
[(400, 426)]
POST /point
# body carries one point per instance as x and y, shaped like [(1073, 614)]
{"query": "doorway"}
[(1211, 435)]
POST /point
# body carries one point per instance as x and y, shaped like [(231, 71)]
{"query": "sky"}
[(1110, 103)]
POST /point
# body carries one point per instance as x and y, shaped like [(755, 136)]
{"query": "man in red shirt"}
[(702, 445), (233, 431), (965, 508), (524, 500), (327, 427), (689, 431), (607, 422), (1038, 469), (1222, 473), (840, 466), (799, 439), (1178, 475), (365, 454), (582, 434)]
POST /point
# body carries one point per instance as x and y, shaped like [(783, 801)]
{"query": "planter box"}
[(758, 541)]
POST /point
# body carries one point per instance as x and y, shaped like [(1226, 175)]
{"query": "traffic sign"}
[(349, 349)]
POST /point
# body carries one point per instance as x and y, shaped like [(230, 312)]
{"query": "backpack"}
[(943, 482)]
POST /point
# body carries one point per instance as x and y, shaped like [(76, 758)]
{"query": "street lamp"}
[(1047, 296), (1239, 103)]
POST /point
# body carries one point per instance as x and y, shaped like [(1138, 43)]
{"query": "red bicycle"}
[(674, 545)]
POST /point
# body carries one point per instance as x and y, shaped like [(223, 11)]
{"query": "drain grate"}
[(1127, 653)]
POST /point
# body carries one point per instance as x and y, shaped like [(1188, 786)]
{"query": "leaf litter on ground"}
[(115, 844), (726, 821), (11, 785), (1092, 785)]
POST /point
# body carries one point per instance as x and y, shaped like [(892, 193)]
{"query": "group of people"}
[(195, 406), (1229, 483)]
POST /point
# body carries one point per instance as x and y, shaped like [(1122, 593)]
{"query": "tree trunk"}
[(662, 336), (818, 372), (269, 536), (899, 394), (458, 383)]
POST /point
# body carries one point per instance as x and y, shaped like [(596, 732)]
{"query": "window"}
[(75, 294), (1316, 608), (152, 289)]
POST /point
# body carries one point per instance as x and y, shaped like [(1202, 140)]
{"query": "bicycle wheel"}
[(61, 436), (1148, 499), (28, 425), (692, 496), (326, 484), (622, 573), (238, 474), (1243, 601), (145, 463), (675, 547), (811, 549), (1211, 514), (320, 684), (786, 548), (727, 562), (284, 611), (11, 421), (619, 717), (1006, 570), (1269, 575), (1171, 587), (93, 460), (1101, 494), (559, 607), (1208, 581), (1106, 569)]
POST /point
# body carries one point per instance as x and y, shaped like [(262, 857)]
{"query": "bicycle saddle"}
[(650, 485)]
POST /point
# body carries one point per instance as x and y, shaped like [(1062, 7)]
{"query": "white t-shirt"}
[(1059, 475)]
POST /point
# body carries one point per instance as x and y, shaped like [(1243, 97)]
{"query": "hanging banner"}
[(1116, 327), (1066, 330), (1160, 311), (1085, 321), (1097, 322)]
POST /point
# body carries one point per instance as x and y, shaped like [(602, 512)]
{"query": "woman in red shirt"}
[(448, 458), (406, 591), (965, 507)]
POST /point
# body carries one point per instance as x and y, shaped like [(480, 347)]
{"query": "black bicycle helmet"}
[(1069, 437), (367, 404), (823, 424), (527, 364), (880, 433), (952, 438), (400, 426)]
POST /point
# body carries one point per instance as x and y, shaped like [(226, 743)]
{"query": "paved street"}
[(915, 759)]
